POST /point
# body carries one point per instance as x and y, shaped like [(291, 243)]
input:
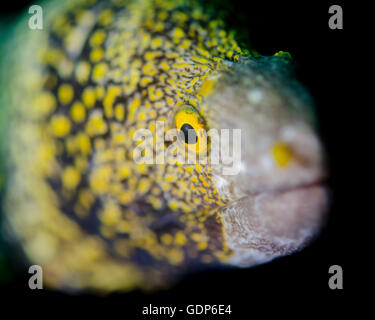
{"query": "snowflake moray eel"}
[(74, 94)]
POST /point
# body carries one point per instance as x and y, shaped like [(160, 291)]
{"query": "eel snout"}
[(261, 227)]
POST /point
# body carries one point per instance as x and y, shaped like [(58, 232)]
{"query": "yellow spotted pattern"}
[(107, 69)]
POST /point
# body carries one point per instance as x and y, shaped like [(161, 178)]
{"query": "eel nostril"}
[(282, 153)]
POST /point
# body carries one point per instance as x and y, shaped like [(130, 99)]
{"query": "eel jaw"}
[(269, 224)]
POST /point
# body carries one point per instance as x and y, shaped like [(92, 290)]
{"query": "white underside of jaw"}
[(261, 227)]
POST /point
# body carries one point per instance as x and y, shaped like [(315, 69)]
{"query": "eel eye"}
[(191, 127), (188, 134)]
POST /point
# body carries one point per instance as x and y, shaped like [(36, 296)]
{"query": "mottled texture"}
[(78, 91)]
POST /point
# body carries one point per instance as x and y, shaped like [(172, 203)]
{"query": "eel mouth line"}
[(319, 184), (276, 219)]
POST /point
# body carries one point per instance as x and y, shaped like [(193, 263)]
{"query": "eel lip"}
[(317, 183), (294, 212)]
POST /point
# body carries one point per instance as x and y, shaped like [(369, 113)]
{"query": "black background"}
[(324, 64)]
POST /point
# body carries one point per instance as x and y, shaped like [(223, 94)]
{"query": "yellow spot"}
[(164, 65), (207, 87), (202, 245), (282, 154), (119, 112), (65, 68), (99, 71), (174, 205), (159, 26), (166, 239), (97, 38), (126, 197), (133, 107), (159, 93), (78, 112), (189, 169), (178, 33), (156, 43), (204, 181), (155, 202), (145, 81), (45, 103), (88, 97), (111, 214), (65, 93), (175, 256), (105, 155), (81, 163), (96, 125), (100, 179), (180, 238), (152, 127), (113, 92), (149, 69), (123, 226), (185, 44), (197, 237), (201, 60), (84, 143), (124, 171), (86, 198), (96, 54), (149, 23), (105, 17), (142, 168), (170, 177), (71, 145), (100, 91), (60, 125), (71, 177), (82, 71), (144, 185), (151, 55), (118, 138)]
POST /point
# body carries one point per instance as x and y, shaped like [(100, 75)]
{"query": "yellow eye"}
[(192, 130)]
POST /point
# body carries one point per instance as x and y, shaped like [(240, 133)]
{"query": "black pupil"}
[(188, 134)]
